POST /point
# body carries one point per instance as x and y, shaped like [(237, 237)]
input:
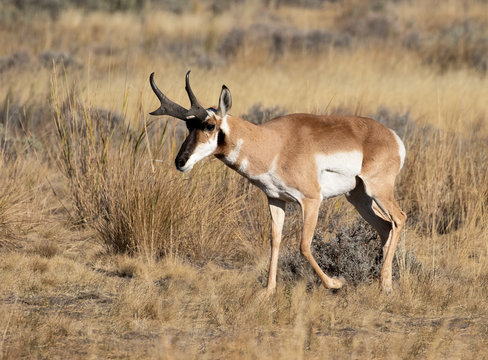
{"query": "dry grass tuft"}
[(15, 196), (46, 249), (119, 192), (39, 265)]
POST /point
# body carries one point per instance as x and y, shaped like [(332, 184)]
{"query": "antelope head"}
[(204, 125)]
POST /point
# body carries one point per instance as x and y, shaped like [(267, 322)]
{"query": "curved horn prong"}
[(155, 88), (167, 107), (196, 110), (189, 91)]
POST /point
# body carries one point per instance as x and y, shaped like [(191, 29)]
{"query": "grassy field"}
[(106, 251)]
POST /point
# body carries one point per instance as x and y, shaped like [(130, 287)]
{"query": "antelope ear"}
[(225, 101)]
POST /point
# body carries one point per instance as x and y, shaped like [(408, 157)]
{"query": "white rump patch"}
[(202, 150), (401, 149), (337, 172)]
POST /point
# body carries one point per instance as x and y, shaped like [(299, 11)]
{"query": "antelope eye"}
[(209, 127)]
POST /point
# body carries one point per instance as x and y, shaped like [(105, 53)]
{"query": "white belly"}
[(276, 188), (272, 185), (337, 172)]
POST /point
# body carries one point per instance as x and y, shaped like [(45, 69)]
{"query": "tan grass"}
[(107, 253)]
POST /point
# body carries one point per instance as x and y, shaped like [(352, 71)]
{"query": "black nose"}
[(180, 162)]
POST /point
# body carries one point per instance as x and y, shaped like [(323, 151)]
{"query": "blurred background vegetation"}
[(455, 37)]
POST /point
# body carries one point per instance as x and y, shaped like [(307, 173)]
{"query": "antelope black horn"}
[(167, 107), (196, 110)]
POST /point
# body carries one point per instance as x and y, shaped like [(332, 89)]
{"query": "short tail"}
[(401, 149)]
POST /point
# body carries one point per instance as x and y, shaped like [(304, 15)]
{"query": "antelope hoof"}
[(387, 287), (265, 294), (386, 283), (337, 283)]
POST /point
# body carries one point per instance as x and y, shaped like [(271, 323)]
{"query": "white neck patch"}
[(232, 157), (243, 166), (224, 126)]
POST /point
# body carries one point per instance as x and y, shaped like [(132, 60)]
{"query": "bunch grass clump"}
[(141, 206)]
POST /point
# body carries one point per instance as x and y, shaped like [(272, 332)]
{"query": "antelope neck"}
[(243, 143)]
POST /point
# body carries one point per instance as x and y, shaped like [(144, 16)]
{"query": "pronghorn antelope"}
[(302, 158)]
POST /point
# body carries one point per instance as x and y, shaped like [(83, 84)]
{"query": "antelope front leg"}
[(310, 209), (277, 211)]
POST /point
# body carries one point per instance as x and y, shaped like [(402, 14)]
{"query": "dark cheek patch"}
[(192, 124), (188, 146)]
